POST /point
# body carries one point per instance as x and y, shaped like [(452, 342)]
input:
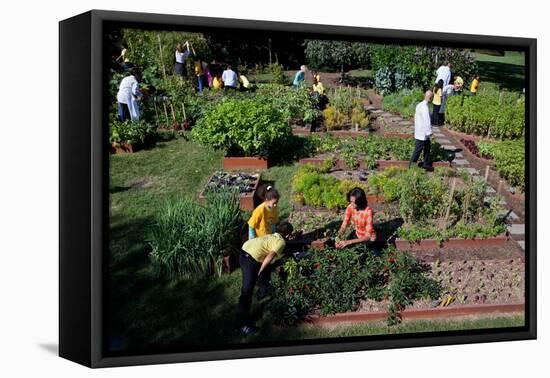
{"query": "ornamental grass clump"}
[(189, 239)]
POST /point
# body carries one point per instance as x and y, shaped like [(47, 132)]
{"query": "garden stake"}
[(499, 187), (166, 114), (156, 111), (486, 173), (161, 58), (448, 211)]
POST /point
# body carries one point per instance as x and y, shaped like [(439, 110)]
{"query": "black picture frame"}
[(83, 181)]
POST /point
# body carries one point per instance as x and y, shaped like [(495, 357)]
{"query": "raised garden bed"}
[(432, 244), (245, 183), (477, 287), (301, 131), (230, 163), (382, 164), (413, 313)]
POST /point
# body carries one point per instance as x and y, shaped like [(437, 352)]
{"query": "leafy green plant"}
[(509, 158), (311, 187), (129, 132), (189, 239), (243, 126)]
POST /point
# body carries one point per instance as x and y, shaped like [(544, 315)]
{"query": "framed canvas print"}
[(234, 188)]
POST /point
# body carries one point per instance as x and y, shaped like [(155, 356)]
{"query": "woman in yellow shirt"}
[(265, 217), (438, 93), (474, 86)]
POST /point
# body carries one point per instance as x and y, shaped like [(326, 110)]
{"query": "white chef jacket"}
[(128, 92), (443, 73), (422, 121)]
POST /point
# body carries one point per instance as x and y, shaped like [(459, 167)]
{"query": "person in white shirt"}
[(448, 91), (127, 98), (182, 53), (444, 73), (422, 132), (230, 79)]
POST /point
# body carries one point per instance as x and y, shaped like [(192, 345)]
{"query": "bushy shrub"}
[(189, 239), (129, 132), (278, 74), (243, 126), (400, 66)]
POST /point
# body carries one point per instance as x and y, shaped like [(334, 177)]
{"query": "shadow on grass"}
[(149, 310), (507, 76)]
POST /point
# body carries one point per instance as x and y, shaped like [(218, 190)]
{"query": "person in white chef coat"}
[(422, 132), (444, 73), (128, 96)]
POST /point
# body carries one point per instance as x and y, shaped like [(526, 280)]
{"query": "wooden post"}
[(173, 113), (499, 187), (183, 110), (166, 115), (486, 173), (448, 211), (161, 57), (156, 111)]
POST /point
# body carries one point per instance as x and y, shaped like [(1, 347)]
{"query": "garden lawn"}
[(507, 71)]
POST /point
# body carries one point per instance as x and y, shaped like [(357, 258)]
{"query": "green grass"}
[(148, 310), (361, 73), (508, 71)]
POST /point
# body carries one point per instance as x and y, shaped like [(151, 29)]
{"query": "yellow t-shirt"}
[(260, 247), (244, 81), (124, 55), (198, 68), (437, 97), (473, 87), (263, 219), (217, 83), (319, 88)]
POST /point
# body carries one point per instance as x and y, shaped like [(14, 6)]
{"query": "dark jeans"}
[(250, 269), (419, 146), (435, 115), (123, 112)]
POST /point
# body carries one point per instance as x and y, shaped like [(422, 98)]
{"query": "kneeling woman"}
[(362, 217)]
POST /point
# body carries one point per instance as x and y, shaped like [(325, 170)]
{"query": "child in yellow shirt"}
[(265, 217)]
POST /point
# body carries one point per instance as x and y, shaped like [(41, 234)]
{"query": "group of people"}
[(228, 79), (423, 120), (267, 241)]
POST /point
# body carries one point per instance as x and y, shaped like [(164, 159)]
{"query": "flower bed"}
[(244, 183)]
